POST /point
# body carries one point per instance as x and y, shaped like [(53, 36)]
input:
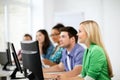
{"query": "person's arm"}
[(48, 62), (70, 75), (88, 78), (69, 78), (19, 55), (74, 78), (76, 71), (49, 51), (56, 68)]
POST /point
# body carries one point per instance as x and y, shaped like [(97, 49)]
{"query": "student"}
[(72, 55), (26, 37), (57, 53), (45, 45), (96, 63)]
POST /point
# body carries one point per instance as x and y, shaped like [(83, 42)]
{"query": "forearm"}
[(48, 62), (85, 78), (70, 73), (55, 68), (70, 78), (76, 71), (77, 78)]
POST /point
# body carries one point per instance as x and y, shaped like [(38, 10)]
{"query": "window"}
[(14, 20)]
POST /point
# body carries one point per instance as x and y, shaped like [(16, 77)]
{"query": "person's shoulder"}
[(64, 52), (51, 45), (96, 49), (79, 47), (60, 49), (79, 50)]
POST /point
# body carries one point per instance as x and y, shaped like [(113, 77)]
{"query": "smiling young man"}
[(72, 55)]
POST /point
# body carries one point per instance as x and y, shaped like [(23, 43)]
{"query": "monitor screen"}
[(18, 67), (5, 57), (31, 59), (9, 53)]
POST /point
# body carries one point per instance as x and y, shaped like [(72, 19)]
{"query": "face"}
[(40, 37), (26, 38), (55, 35), (64, 39), (82, 35)]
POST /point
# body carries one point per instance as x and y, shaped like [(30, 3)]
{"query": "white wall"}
[(106, 13), (2, 30), (37, 16), (111, 33), (91, 9), (48, 14)]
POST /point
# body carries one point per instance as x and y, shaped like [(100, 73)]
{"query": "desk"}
[(51, 75), (6, 74)]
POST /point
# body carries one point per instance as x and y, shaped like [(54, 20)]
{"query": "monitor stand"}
[(13, 75), (5, 67), (31, 76)]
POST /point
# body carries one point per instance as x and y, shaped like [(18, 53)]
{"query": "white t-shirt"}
[(68, 61)]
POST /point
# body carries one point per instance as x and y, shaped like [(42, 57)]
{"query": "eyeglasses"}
[(54, 34)]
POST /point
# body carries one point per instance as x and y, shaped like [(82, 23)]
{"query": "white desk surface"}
[(18, 74), (7, 74)]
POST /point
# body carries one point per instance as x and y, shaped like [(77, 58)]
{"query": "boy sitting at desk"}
[(72, 55)]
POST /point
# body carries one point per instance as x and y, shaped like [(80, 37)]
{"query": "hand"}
[(62, 77), (51, 76)]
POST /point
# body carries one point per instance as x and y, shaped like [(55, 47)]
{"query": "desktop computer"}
[(31, 60)]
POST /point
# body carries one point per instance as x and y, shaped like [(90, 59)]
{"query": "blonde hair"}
[(94, 36)]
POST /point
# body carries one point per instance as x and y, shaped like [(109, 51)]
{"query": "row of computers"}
[(32, 67)]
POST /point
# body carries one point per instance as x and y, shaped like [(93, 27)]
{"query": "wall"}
[(2, 30), (37, 16), (111, 33), (48, 14)]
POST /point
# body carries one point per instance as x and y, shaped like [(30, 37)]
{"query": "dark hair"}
[(47, 41), (28, 35), (71, 32), (58, 26)]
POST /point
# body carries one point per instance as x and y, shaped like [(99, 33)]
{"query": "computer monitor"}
[(9, 53), (5, 57), (18, 66), (31, 60)]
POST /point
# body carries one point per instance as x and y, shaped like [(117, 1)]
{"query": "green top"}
[(95, 63)]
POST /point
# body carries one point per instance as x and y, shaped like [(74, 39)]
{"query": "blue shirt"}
[(49, 52), (76, 56), (56, 57)]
